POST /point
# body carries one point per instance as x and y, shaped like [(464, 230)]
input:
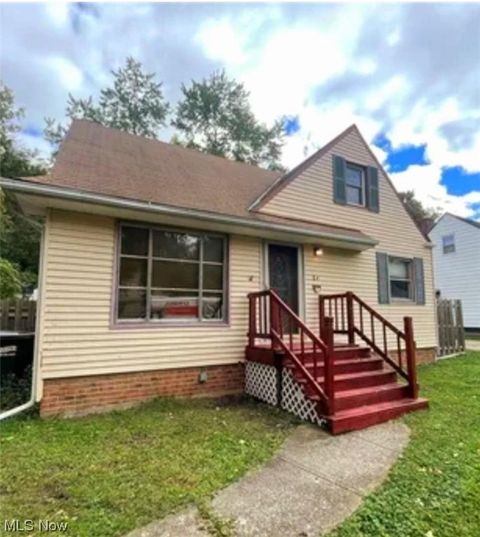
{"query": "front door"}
[(283, 273)]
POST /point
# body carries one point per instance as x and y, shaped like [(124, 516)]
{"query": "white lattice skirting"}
[(261, 383)]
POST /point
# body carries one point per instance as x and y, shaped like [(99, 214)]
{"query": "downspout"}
[(36, 347)]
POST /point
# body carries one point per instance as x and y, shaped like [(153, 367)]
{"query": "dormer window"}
[(355, 184)]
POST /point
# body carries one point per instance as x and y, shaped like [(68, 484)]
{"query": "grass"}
[(106, 475), (434, 489), (474, 337)]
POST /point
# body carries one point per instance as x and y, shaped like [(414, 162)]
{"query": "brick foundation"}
[(426, 355), (84, 395)]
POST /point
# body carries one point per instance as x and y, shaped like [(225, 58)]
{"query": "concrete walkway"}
[(472, 345), (311, 485)]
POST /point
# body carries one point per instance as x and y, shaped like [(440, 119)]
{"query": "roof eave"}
[(48, 191)]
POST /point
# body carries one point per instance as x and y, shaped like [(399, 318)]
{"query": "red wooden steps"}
[(340, 352), (347, 399), (366, 416), (351, 381), (366, 392), (345, 365)]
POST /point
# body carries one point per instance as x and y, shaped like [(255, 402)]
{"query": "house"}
[(158, 260), (456, 264)]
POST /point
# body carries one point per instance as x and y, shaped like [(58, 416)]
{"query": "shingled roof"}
[(110, 162)]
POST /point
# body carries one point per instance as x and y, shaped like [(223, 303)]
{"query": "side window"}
[(448, 243), (400, 278)]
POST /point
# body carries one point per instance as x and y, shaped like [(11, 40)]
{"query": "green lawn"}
[(108, 474), (434, 489)]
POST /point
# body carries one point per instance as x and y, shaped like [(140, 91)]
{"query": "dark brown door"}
[(283, 273)]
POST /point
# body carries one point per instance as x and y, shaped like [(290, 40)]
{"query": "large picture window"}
[(168, 275)]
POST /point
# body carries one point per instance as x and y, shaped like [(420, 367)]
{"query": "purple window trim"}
[(129, 324)]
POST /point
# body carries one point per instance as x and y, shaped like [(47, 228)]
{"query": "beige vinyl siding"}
[(77, 336), (310, 196)]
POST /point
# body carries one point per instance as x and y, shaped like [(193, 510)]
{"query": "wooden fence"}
[(451, 335), (18, 315)]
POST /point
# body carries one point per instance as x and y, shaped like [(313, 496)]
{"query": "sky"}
[(407, 74)]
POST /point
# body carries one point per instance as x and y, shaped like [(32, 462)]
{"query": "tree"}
[(214, 116), (134, 103), (19, 239), (15, 161), (10, 284), (421, 214)]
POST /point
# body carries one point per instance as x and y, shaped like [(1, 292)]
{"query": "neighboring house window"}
[(355, 184), (169, 275), (400, 278), (448, 242)]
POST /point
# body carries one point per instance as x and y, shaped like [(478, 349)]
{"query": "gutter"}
[(18, 409), (101, 199), (33, 388)]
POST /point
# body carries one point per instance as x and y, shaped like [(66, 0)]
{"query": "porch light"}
[(318, 251)]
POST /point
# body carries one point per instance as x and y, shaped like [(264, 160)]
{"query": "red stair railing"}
[(352, 316), (271, 319)]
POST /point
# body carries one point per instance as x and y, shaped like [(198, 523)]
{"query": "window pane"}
[(174, 305), (174, 274), (398, 268), (175, 245), (354, 195), (399, 289), (131, 304), (134, 240), (212, 306), (213, 249), (448, 244), (213, 277), (354, 176), (133, 272)]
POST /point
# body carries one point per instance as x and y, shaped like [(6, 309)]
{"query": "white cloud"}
[(66, 72), (387, 68), (297, 68), (424, 181), (221, 43), (58, 13)]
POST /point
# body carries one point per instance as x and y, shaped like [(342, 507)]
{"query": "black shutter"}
[(419, 279), (373, 201), (382, 278), (339, 189)]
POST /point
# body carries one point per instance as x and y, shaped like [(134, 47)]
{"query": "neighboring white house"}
[(456, 264)]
